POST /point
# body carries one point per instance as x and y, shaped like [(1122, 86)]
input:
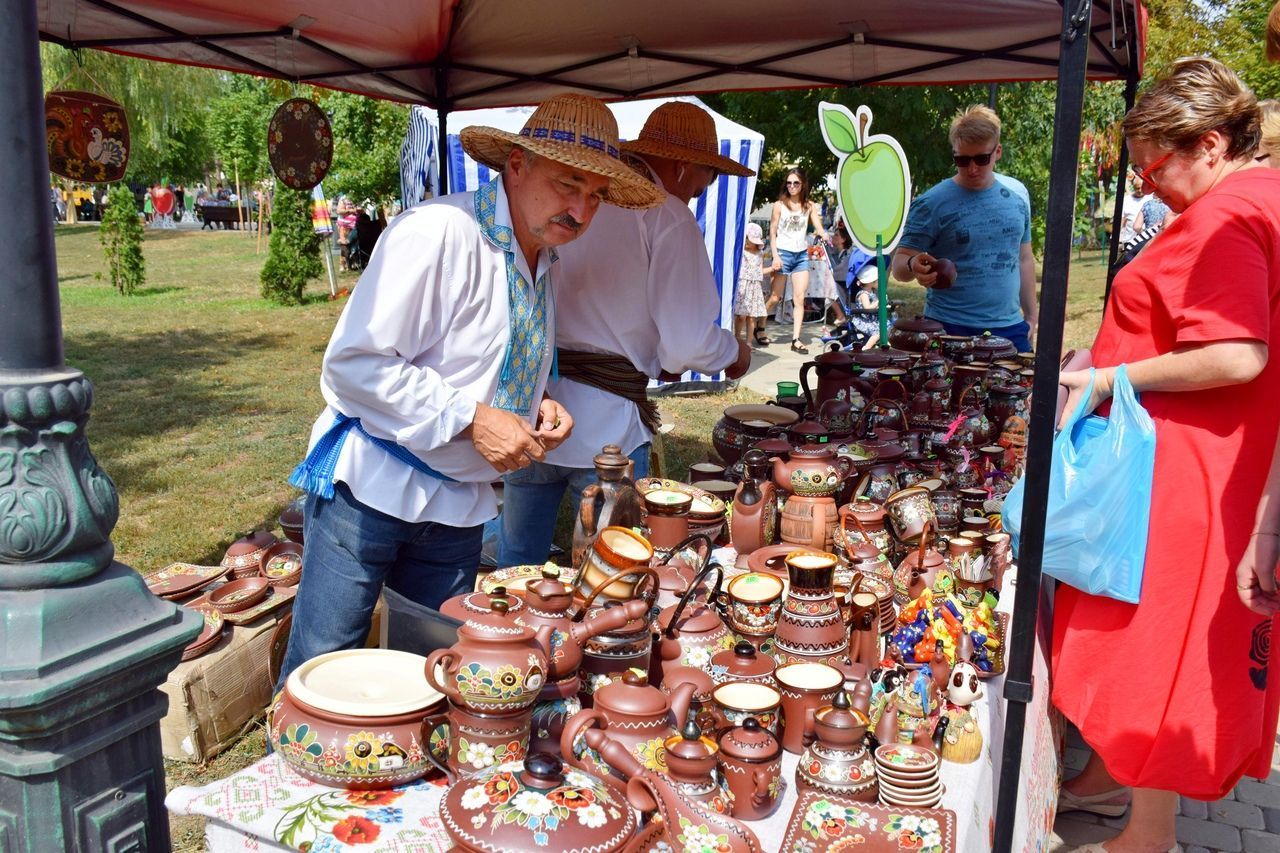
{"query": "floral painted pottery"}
[(692, 760), (836, 370), (754, 523), (497, 665), (1007, 401), (87, 135), (837, 761), (743, 425), (615, 549), (754, 602), (809, 522), (805, 687), (991, 347), (910, 511), (281, 564), (692, 631), (813, 470), (735, 701), (240, 594), (825, 823), (742, 663), (864, 520), (463, 607), (958, 349), (354, 719), (244, 556), (811, 627), (678, 569), (917, 572), (751, 765), (556, 703), (474, 742), (840, 413), (208, 637), (877, 483), (549, 601), (946, 508), (611, 501), (882, 413), (914, 334), (607, 657), (536, 804), (299, 143), (667, 517), (636, 714)]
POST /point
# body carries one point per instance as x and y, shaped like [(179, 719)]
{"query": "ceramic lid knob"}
[(550, 571), (499, 604), (743, 649), (543, 770)]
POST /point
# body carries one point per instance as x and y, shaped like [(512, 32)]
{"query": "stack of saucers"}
[(908, 776)]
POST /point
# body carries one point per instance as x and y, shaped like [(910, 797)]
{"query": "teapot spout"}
[(609, 619), (681, 698), (781, 474)]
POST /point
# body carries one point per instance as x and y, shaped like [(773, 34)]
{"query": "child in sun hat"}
[(748, 299)]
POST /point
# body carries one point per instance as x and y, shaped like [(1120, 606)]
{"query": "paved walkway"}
[(777, 362)]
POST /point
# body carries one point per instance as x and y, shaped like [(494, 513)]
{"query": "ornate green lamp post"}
[(83, 644)]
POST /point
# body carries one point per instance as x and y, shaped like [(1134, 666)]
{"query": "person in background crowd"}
[(980, 221), (1193, 318), (221, 193), (793, 215), (434, 379), (748, 297), (636, 299)]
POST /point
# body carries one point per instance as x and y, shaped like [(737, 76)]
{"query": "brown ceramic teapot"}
[(691, 631), (918, 570), (836, 761), (497, 665), (679, 568), (751, 764), (691, 765), (638, 715), (814, 470)]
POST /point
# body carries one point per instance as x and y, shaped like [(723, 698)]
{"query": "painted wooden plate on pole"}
[(300, 143), (87, 135)]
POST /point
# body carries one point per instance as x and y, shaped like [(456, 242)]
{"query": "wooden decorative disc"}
[(300, 143), (88, 136)]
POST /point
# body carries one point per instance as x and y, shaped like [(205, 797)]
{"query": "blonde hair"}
[(975, 124), (1198, 94), (1270, 112)]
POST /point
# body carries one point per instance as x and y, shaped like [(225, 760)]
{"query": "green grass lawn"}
[(205, 395)]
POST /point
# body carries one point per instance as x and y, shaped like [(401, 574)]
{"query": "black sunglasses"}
[(963, 160)]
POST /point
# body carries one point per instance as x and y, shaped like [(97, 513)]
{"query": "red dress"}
[(1174, 692)]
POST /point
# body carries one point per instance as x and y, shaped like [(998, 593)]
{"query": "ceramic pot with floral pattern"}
[(497, 666), (811, 626), (474, 742), (536, 804), (742, 663), (837, 761), (691, 765), (355, 719), (751, 765), (753, 602), (691, 631)]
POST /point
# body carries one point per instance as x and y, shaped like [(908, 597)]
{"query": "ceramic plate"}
[(514, 578), (178, 579), (770, 558), (208, 637), (822, 822), (906, 758)]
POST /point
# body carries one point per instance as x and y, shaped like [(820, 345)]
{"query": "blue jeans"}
[(349, 552), (1019, 333), (530, 502)]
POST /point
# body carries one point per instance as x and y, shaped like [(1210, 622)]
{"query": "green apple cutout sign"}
[(873, 184), (873, 181)]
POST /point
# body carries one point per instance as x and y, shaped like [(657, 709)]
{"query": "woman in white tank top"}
[(788, 228)]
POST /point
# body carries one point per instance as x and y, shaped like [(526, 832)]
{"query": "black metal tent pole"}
[(1053, 303)]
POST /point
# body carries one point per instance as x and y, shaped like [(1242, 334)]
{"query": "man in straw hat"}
[(636, 298), (435, 376)]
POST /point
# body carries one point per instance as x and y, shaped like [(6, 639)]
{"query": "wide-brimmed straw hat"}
[(682, 131), (576, 130)]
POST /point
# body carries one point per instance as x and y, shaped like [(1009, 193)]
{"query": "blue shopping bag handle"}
[(1079, 411)]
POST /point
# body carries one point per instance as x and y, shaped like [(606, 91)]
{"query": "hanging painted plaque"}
[(88, 136), (300, 143)]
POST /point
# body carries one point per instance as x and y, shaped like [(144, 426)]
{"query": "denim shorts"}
[(793, 261)]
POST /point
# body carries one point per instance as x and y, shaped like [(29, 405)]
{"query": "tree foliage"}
[(295, 252), (366, 146), (121, 237), (238, 121)]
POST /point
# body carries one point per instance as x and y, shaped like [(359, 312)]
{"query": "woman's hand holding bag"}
[(1099, 490)]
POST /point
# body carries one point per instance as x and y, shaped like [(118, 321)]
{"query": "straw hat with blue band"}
[(576, 130)]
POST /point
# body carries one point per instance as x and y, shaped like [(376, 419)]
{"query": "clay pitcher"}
[(836, 371), (755, 506), (612, 501), (811, 626)]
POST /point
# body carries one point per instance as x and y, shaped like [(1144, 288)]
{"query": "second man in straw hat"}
[(635, 299), (435, 377)]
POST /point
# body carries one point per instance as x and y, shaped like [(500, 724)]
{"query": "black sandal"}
[(796, 346), (762, 339)]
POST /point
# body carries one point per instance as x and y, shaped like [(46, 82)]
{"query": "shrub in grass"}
[(295, 251), (121, 236)]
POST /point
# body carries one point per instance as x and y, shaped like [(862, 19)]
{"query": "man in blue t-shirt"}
[(980, 221)]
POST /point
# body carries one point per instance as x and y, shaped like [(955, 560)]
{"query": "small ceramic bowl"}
[(291, 521), (281, 564), (244, 556), (240, 594)]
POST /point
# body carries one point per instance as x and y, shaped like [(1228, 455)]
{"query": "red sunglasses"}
[(1144, 175)]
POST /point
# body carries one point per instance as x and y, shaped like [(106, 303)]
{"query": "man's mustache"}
[(567, 221)]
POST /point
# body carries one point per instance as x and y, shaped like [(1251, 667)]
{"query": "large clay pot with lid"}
[(636, 714), (356, 719), (497, 665), (742, 663), (751, 764), (914, 334), (837, 761), (691, 631), (463, 607), (537, 804), (1007, 401), (743, 425), (611, 501), (807, 430), (991, 347), (814, 470), (754, 523)]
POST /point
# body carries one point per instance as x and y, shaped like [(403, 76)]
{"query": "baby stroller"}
[(859, 323), (361, 241)]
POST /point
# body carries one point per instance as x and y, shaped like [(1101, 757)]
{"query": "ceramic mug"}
[(614, 550), (910, 511), (667, 517), (753, 602), (475, 742), (734, 701), (805, 687)]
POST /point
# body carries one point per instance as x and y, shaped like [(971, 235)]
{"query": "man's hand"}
[(1034, 324), (554, 423), (924, 267), (739, 368), (506, 441)]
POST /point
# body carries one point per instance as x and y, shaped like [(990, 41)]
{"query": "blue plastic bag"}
[(1099, 497)]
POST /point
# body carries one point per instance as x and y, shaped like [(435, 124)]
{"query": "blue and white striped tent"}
[(722, 210)]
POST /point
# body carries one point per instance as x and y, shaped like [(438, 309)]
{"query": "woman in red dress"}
[(1173, 693)]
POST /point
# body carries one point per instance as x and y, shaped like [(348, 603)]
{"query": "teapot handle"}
[(885, 383), (618, 575), (804, 381), (576, 725), (693, 586), (429, 725), (696, 538), (438, 658), (902, 413)]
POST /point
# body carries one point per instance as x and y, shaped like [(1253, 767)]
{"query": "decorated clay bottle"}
[(755, 505), (611, 502)]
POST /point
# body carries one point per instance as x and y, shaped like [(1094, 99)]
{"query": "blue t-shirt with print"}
[(981, 232)]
